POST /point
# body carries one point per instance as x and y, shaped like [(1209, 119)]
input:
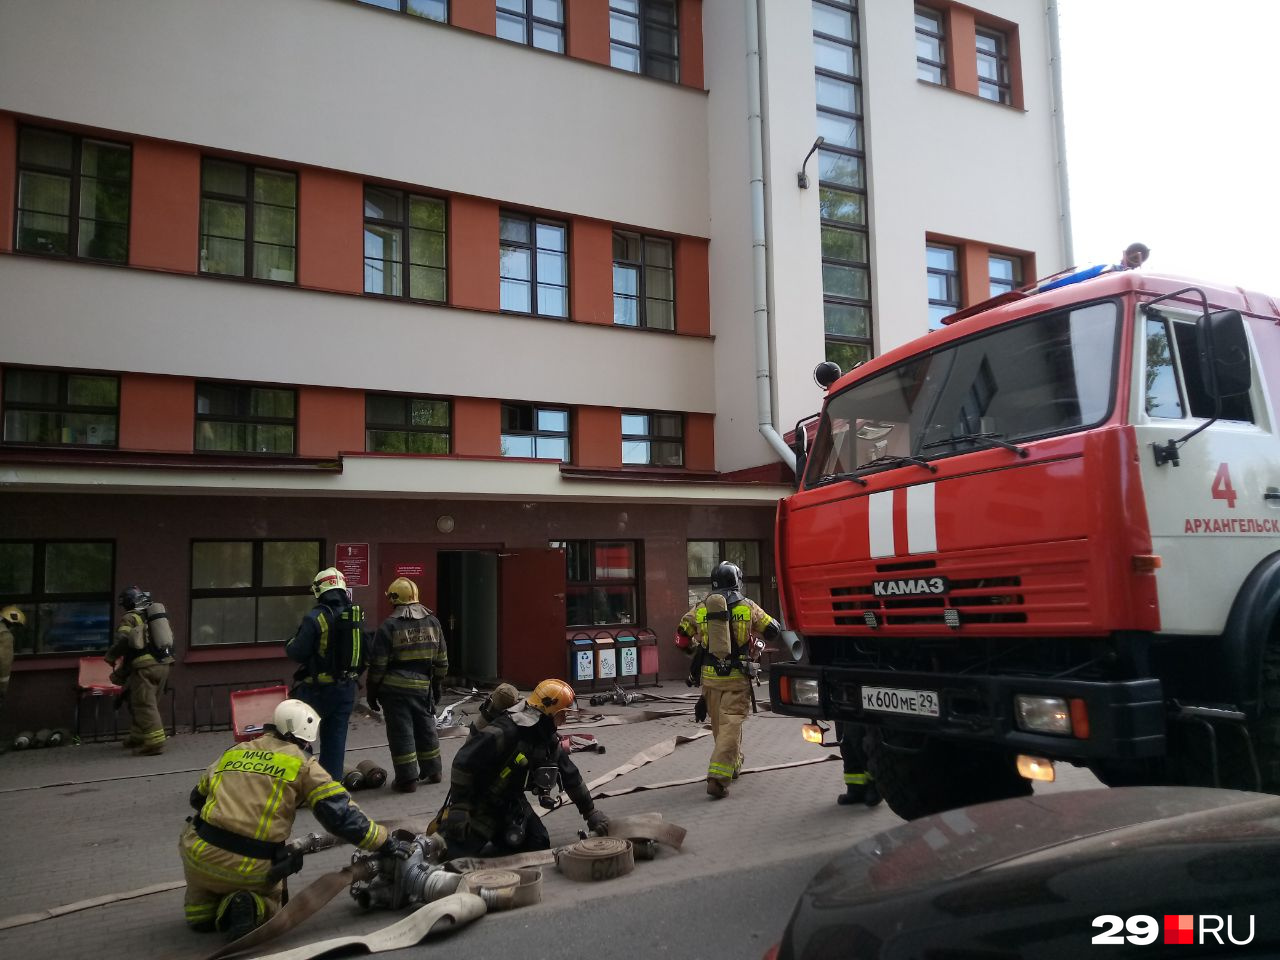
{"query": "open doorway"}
[(467, 606)]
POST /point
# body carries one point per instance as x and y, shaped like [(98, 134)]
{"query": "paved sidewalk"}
[(91, 820)]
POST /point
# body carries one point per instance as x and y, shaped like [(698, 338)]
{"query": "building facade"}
[(514, 297)]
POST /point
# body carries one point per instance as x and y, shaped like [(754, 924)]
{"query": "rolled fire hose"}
[(505, 889), (596, 858)]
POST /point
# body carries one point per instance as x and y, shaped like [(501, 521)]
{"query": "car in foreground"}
[(1136, 871)]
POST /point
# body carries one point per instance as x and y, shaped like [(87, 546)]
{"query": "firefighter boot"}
[(872, 798), (852, 796), (717, 789), (238, 914)]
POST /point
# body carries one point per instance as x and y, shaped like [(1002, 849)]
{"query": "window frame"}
[(635, 583), (63, 407), (998, 285), (645, 20), (752, 586), (530, 21), (1003, 85), (255, 590), (651, 438), (531, 248), (950, 277), (406, 427), (940, 38), (536, 434), (75, 176), (642, 269), (31, 602), (402, 6), (404, 227), (244, 399), (249, 203)]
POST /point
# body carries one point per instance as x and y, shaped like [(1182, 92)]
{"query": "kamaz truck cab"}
[(1049, 531)]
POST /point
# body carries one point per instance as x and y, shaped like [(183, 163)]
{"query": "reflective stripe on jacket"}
[(746, 617), (409, 651)]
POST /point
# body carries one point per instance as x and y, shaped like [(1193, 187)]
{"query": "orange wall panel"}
[(477, 427), (689, 16), (975, 274), (8, 183), (961, 49), (164, 214), (700, 441), (587, 23), (597, 437), (478, 15), (473, 253), (330, 421), (157, 413), (693, 287), (330, 231), (591, 271)]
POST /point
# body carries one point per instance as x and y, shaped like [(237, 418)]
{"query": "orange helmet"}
[(551, 697)]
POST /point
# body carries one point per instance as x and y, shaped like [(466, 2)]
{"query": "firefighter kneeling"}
[(233, 850)]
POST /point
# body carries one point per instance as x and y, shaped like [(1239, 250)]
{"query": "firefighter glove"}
[(374, 703), (598, 823), (437, 690), (700, 709), (455, 824), (395, 847)]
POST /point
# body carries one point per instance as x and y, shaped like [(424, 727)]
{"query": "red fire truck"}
[(1049, 531)]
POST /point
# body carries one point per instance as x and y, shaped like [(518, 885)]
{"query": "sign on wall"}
[(352, 560)]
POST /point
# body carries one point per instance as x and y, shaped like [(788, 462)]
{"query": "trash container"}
[(606, 661), (628, 661), (581, 660), (647, 647)]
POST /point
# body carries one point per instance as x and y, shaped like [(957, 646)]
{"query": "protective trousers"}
[(727, 703), (333, 702), (854, 756), (411, 734), (145, 684), (211, 878)]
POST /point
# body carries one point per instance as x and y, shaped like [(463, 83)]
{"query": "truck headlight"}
[(1043, 714), (804, 692)]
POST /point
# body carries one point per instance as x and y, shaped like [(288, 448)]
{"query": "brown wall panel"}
[(330, 231), (164, 214), (477, 427), (597, 437), (478, 15), (693, 287), (961, 44), (689, 17), (157, 413), (700, 441), (473, 253), (330, 421), (8, 182), (591, 271), (587, 23), (975, 274)]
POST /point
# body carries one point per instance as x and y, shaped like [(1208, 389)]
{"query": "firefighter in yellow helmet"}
[(406, 674), (9, 615), (140, 663), (718, 633), (233, 849), (518, 751)]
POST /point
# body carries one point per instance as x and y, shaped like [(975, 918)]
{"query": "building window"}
[(73, 196), (404, 235), (239, 418), (705, 555), (63, 409), (397, 423), (64, 589), (644, 38), (248, 221), (1005, 273), (842, 187), (644, 286), (537, 23), (993, 66), (427, 9), (534, 265), (931, 57), (538, 432), (250, 591), (602, 581), (944, 283), (652, 439)]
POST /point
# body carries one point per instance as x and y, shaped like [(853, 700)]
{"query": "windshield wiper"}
[(836, 478), (891, 458), (985, 439)]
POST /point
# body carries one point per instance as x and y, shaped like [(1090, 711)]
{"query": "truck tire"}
[(930, 775), (1264, 730)]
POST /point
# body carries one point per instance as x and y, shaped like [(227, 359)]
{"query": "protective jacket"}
[(743, 616), (247, 800), (132, 643), (409, 652), (6, 659), (329, 644), (491, 770)]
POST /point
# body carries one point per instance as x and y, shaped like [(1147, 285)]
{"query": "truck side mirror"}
[(800, 447), (1224, 354)]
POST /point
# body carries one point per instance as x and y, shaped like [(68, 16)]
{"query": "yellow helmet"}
[(402, 591), (13, 614), (330, 578), (551, 697)]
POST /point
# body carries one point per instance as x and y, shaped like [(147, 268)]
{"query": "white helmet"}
[(295, 719), (330, 578)]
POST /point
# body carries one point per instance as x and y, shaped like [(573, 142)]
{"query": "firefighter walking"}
[(859, 785), (233, 850), (718, 634), (140, 657), (406, 676)]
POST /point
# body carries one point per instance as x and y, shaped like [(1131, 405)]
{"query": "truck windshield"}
[(1034, 378)]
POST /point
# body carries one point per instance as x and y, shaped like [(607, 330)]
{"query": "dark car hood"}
[(1025, 877)]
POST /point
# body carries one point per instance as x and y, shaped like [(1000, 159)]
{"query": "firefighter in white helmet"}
[(406, 674), (233, 850)]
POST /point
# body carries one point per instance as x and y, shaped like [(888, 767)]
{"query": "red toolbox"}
[(251, 710)]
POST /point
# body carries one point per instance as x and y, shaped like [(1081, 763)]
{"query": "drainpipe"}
[(1060, 132), (759, 243)]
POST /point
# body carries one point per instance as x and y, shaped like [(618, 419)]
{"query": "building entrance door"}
[(466, 591)]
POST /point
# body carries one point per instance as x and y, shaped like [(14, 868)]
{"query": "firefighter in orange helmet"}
[(518, 751)]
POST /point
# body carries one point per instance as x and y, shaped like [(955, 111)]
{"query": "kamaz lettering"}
[(905, 588)]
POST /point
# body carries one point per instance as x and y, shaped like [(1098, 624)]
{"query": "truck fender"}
[(1250, 625)]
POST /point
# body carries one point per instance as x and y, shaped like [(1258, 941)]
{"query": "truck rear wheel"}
[(923, 775), (1265, 730)]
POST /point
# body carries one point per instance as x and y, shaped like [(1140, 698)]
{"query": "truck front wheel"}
[(919, 776)]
